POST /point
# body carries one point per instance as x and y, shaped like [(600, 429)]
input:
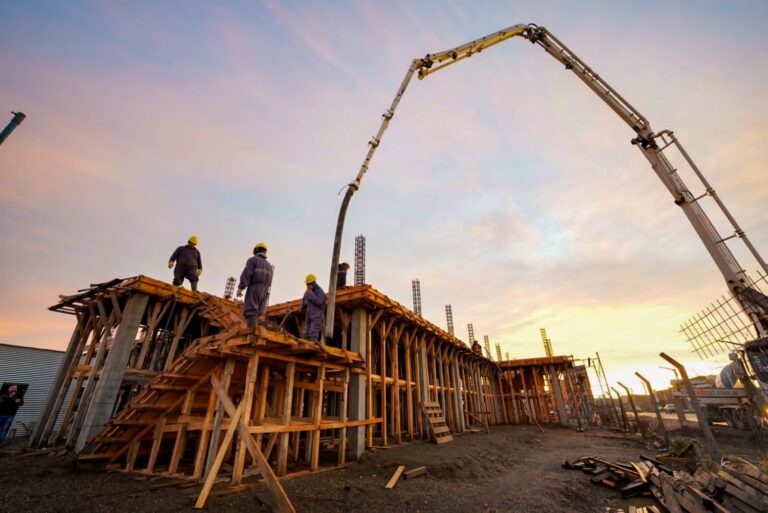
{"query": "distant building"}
[(36, 368)]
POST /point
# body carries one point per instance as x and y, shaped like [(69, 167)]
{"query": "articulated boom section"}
[(648, 142), (754, 303)]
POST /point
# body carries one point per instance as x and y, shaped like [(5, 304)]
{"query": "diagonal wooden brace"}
[(282, 502)]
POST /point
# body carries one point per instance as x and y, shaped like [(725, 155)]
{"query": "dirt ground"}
[(512, 469)]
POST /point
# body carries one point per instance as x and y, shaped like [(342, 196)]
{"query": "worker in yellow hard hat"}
[(312, 306), (189, 263), (256, 280)]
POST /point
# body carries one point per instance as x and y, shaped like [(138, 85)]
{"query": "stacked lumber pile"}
[(732, 487)]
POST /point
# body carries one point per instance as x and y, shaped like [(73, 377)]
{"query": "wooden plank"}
[(158, 438), (416, 472), (744, 492), (282, 452), (383, 333), (213, 443), (248, 393), (751, 481), (202, 444), (342, 459), (214, 470), (395, 477), (181, 434), (314, 462), (672, 504)]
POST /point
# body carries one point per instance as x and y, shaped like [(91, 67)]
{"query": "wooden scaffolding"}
[(548, 389), (164, 381)]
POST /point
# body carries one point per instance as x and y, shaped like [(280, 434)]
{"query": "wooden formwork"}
[(548, 389), (411, 361), (161, 380)]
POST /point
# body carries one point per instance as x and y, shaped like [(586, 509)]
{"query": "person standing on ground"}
[(10, 403), (312, 306), (189, 263), (257, 279)]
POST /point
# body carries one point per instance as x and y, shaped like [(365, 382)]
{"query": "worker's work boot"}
[(252, 322)]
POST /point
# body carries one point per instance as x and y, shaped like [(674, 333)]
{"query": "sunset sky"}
[(504, 184)]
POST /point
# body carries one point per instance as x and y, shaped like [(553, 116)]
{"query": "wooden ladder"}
[(440, 430)]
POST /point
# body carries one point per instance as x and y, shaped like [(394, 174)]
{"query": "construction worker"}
[(10, 402), (341, 276), (312, 306), (477, 348), (257, 278), (189, 263)]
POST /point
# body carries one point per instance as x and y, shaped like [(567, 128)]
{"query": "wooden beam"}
[(282, 503), (315, 458), (282, 452), (395, 477), (247, 401), (222, 452)]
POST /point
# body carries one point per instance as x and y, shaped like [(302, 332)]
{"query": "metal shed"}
[(35, 367)]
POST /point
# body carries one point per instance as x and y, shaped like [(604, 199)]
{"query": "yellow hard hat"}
[(311, 278), (193, 239), (260, 245)]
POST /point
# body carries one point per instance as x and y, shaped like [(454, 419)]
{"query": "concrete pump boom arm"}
[(752, 301)]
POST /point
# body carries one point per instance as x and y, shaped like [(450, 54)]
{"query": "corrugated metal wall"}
[(35, 367)]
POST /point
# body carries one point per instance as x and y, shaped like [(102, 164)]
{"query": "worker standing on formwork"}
[(189, 263), (257, 278), (341, 276), (312, 306)]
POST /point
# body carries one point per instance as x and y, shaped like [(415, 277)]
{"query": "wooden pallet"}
[(440, 430)]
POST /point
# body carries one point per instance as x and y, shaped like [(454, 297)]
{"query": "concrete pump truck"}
[(750, 359)]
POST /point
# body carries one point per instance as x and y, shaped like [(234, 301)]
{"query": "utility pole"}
[(18, 117)]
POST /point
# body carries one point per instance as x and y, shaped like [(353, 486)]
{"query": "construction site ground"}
[(512, 469)]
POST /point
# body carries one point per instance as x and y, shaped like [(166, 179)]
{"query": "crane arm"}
[(647, 141)]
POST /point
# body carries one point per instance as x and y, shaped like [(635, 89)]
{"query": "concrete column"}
[(441, 395), (555, 384), (421, 359), (480, 393), (357, 384), (105, 394), (459, 398)]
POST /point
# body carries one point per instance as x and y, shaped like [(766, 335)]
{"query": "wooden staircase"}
[(440, 430)]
